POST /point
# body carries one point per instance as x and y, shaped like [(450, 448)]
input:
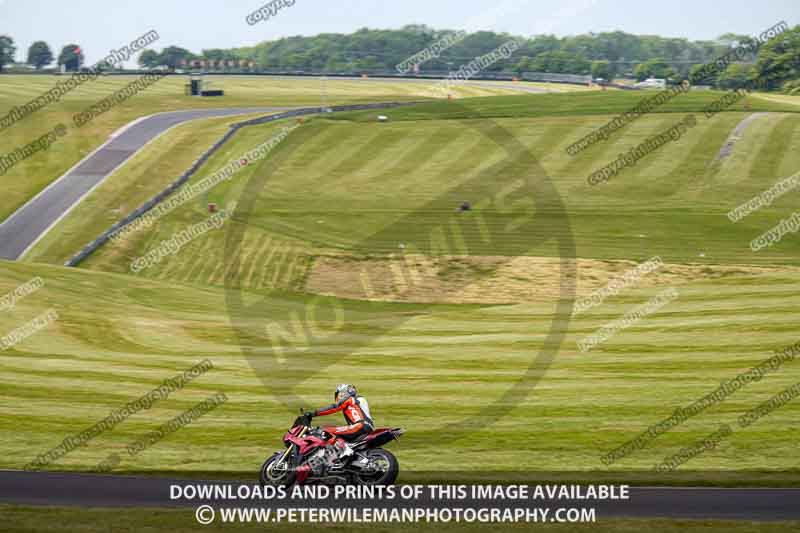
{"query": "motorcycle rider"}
[(356, 412)]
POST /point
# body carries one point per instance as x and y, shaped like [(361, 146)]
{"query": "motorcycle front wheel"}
[(384, 469), (276, 472)]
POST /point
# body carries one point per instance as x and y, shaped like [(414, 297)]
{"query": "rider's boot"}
[(346, 450), (341, 450)]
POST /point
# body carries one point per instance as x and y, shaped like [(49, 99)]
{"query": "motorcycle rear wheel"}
[(388, 469), (276, 474)]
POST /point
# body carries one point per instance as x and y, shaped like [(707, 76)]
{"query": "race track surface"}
[(90, 490), (29, 223)]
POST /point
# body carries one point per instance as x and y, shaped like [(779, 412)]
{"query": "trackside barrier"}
[(553, 78), (90, 248)]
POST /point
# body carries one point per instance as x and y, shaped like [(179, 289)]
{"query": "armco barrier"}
[(175, 185)]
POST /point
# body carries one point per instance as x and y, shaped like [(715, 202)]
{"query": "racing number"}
[(355, 413)]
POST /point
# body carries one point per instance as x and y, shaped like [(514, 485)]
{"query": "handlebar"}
[(304, 420)]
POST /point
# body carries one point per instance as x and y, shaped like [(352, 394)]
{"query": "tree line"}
[(40, 55), (605, 55)]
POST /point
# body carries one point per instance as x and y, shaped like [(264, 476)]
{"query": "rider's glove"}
[(308, 416)]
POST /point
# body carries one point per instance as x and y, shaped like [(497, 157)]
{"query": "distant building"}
[(652, 83)]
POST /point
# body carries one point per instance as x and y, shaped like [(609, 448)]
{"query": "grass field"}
[(119, 337), (781, 98), (409, 156), (24, 520), (28, 178), (341, 193)]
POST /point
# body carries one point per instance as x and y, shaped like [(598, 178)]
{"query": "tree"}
[(218, 54), (149, 59), (386, 49), (791, 87), (729, 40), (603, 69), (736, 76), (698, 75), (523, 65), (40, 55), (71, 57), (654, 68), (541, 44), (560, 63), (173, 55), (7, 51), (779, 59)]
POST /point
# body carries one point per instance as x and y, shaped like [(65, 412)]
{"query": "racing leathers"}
[(356, 414)]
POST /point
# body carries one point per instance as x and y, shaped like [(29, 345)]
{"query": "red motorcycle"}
[(309, 459)]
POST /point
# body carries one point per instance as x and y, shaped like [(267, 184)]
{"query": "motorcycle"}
[(308, 458)]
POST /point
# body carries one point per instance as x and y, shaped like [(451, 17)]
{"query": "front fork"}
[(291, 447)]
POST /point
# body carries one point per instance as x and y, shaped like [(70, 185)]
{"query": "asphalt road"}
[(29, 223), (91, 490)]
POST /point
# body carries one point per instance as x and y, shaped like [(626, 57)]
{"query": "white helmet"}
[(343, 392)]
